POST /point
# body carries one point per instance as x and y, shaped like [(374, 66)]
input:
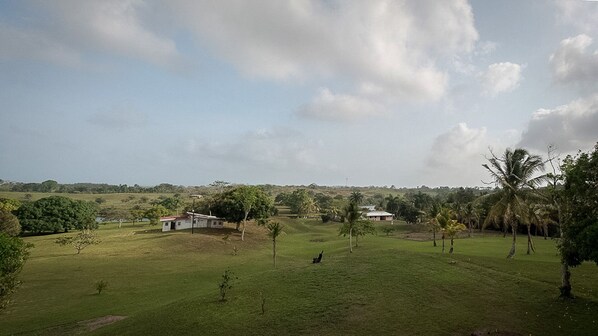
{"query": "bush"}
[(226, 284), (101, 285), (325, 218)]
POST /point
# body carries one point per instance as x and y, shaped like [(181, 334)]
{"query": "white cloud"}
[(392, 46), (332, 107), (583, 15), (456, 156), (569, 127), (501, 77), (71, 29), (573, 63)]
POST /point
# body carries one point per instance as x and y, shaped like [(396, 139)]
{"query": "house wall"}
[(199, 223)]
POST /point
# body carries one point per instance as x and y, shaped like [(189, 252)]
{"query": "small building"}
[(172, 223), (368, 207), (379, 216)]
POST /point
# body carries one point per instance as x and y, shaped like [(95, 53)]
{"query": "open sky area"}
[(403, 93)]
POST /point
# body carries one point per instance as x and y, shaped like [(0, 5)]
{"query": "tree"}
[(48, 186), (453, 227), (580, 214), (515, 175), (352, 215), (115, 214), (274, 230), (356, 197), (57, 213), (154, 213), (241, 204), (363, 228), (9, 205), (13, 253), (82, 240), (9, 224), (301, 202), (443, 218)]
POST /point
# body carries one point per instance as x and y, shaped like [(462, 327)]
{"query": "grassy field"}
[(166, 284)]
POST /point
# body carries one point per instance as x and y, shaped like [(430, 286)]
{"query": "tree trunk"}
[(244, 220), (120, 223), (565, 280), (350, 240), (530, 243), (356, 240), (274, 251), (545, 231), (512, 251), (443, 242), (504, 232), (434, 236), (451, 250), (470, 228)]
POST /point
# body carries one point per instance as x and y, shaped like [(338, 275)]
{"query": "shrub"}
[(101, 285)]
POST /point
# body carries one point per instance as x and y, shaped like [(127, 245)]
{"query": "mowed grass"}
[(167, 284)]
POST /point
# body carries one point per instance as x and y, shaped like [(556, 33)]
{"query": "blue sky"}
[(291, 92)]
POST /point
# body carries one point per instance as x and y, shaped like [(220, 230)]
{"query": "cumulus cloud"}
[(456, 156), (332, 107), (583, 15), (500, 78), (573, 63), (71, 29), (569, 127), (391, 46)]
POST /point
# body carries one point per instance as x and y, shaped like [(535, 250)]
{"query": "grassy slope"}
[(167, 284)]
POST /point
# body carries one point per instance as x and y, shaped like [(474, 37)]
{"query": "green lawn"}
[(166, 284)]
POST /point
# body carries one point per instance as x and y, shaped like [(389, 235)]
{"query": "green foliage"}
[(154, 213), (226, 284), (9, 224), (57, 213), (300, 201), (13, 253), (80, 241), (388, 229), (231, 204), (101, 285), (171, 203), (356, 197), (580, 215), (515, 175), (9, 205)]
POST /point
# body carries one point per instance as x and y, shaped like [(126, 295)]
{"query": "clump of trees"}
[(56, 214)]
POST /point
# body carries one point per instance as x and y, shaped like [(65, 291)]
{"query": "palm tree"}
[(352, 215), (356, 197), (468, 215), (443, 218), (514, 175), (274, 230), (452, 229)]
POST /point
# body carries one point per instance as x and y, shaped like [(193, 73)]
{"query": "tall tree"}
[(274, 230), (352, 214), (241, 204), (580, 214), (356, 197), (452, 228), (444, 219), (13, 252), (515, 174)]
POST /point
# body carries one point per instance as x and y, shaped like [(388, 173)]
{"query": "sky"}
[(332, 92)]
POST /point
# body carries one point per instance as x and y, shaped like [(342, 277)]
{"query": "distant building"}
[(379, 216), (172, 223), (368, 207)]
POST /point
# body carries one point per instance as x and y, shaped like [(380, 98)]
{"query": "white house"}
[(172, 223), (379, 216)]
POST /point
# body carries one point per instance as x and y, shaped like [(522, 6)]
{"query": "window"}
[(178, 223)]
